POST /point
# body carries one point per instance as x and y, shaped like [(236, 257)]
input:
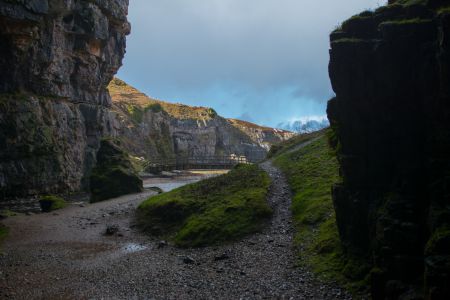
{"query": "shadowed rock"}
[(391, 117)]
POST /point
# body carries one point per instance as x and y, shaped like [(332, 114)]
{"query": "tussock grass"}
[(211, 211)]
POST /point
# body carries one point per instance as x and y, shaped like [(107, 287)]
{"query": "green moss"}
[(348, 40), (444, 10), (311, 171), (215, 210), (211, 113), (154, 107), (114, 174), (7, 213), (439, 242), (406, 21), (136, 113), (412, 2), (50, 203), (156, 189)]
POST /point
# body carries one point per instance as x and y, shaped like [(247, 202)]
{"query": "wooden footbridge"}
[(197, 162)]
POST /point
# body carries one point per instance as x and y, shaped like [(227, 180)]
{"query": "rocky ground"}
[(68, 255)]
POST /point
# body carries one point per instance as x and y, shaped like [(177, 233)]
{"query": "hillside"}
[(153, 128)]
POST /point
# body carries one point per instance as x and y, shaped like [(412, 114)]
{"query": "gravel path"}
[(67, 256)]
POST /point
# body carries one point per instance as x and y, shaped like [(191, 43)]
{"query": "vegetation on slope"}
[(291, 143), (50, 203), (215, 210), (114, 174), (137, 103), (311, 171)]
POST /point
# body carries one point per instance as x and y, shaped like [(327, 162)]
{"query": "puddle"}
[(132, 247)]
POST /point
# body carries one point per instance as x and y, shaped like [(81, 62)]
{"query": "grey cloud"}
[(234, 49)]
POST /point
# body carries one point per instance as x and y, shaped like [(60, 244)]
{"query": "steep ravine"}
[(391, 118), (57, 59), (152, 128)]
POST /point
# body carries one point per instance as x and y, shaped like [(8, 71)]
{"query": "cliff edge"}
[(390, 70), (57, 58)]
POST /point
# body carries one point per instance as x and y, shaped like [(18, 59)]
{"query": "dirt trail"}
[(67, 256)]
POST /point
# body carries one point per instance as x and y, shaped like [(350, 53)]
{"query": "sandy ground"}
[(66, 255)]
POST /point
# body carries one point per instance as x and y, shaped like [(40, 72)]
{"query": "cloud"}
[(208, 52)]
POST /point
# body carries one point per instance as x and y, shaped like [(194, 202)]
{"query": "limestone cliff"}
[(56, 59), (153, 128), (391, 117)]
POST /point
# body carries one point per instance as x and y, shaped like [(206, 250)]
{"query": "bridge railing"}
[(195, 162)]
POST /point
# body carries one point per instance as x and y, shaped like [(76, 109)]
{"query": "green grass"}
[(7, 213), (212, 211), (289, 144), (50, 203), (311, 171), (406, 21), (3, 234)]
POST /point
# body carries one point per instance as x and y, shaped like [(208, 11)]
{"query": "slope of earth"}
[(154, 128), (66, 255)]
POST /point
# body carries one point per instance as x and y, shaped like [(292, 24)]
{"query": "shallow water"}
[(133, 247), (168, 184)]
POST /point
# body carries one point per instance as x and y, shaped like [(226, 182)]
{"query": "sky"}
[(264, 61)]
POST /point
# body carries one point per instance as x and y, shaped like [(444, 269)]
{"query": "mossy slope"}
[(114, 174), (311, 171), (215, 210), (50, 203)]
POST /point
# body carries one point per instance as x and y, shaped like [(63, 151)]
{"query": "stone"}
[(188, 260), (112, 229), (57, 58), (390, 70), (114, 174), (222, 256), (162, 244)]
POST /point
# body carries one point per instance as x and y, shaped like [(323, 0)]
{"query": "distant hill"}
[(305, 126), (154, 128)]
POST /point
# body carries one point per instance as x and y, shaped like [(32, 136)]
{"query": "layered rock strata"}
[(152, 128), (56, 59)]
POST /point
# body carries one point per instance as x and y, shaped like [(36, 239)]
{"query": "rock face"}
[(113, 174), (56, 59), (152, 128), (390, 70)]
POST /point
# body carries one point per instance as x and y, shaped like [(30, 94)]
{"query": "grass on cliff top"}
[(211, 211), (137, 103), (311, 171)]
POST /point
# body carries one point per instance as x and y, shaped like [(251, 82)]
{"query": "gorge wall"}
[(152, 128), (56, 59), (390, 70)]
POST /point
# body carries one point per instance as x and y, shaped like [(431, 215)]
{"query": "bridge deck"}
[(195, 162)]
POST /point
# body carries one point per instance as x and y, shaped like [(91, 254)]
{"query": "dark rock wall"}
[(56, 59), (390, 70)]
